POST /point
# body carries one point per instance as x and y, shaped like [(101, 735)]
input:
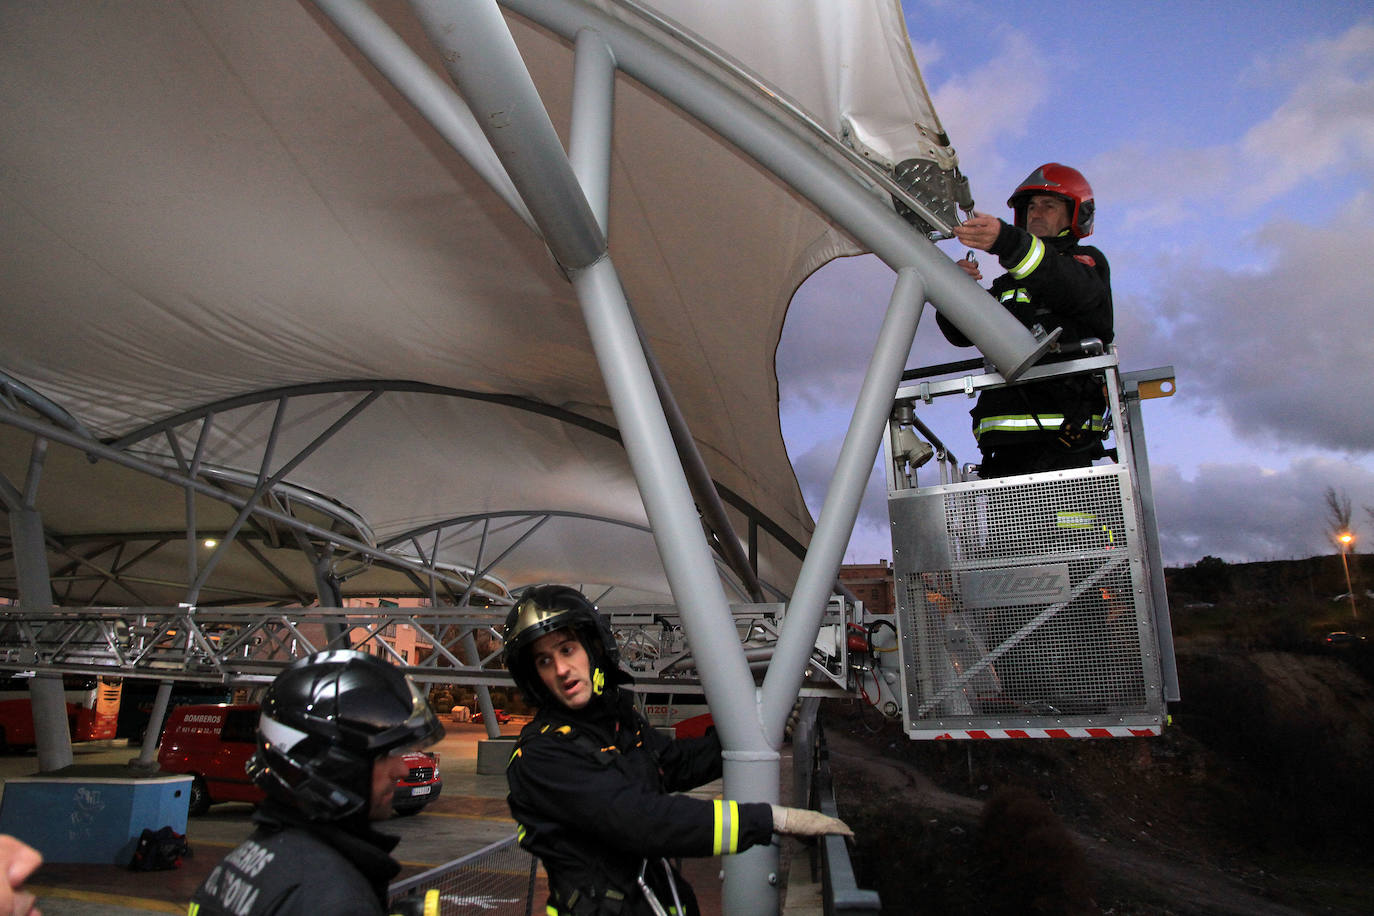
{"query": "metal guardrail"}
[(814, 788), (840, 887), (496, 880)]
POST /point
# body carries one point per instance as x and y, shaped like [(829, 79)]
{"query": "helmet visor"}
[(420, 729)]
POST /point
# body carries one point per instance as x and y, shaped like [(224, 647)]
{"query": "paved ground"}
[(470, 814)]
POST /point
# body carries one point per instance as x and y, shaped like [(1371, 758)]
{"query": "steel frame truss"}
[(246, 645), (239, 644), (267, 504)]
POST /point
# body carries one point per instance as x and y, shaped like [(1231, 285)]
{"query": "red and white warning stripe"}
[(1091, 731)]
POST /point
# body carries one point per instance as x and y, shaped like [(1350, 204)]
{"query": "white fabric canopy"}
[(200, 200)]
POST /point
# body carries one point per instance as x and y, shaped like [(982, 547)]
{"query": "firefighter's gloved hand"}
[(417, 904), (804, 822)]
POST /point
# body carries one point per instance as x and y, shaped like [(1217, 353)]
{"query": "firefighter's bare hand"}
[(970, 267), (979, 231), (804, 822), (18, 861)]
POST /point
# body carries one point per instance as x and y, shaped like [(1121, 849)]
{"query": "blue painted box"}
[(79, 819)]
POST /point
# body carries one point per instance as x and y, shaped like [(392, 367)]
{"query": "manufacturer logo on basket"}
[(1015, 585)]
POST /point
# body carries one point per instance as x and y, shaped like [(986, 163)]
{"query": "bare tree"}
[(1338, 512)]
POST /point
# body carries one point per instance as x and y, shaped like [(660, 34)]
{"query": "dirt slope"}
[(1252, 802)]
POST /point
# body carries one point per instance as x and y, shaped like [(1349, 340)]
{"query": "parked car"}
[(502, 717), (214, 742), (1340, 639)]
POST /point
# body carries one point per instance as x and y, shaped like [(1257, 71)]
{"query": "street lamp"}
[(1346, 539)]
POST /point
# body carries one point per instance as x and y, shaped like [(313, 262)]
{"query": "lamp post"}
[(1346, 539)]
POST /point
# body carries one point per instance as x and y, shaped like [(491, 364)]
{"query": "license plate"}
[(420, 790)]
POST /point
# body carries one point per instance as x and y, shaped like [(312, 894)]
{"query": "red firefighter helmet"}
[(1061, 181)]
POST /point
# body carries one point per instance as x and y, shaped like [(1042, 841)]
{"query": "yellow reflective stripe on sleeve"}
[(1030, 261), (193, 909), (726, 835), (1019, 423)]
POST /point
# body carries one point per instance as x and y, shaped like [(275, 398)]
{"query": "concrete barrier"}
[(493, 754), (91, 819)]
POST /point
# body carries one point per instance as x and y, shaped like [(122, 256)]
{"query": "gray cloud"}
[(1244, 512), (1281, 354), (832, 326), (1326, 126), (871, 539), (985, 107)]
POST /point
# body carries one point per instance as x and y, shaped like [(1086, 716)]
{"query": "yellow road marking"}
[(138, 903), (468, 817)]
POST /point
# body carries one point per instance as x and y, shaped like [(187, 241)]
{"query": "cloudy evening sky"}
[(1230, 147)]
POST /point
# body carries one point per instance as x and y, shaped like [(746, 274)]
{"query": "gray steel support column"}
[(835, 524), (593, 110), (483, 692), (327, 591), (867, 216), (699, 479), (667, 498), (431, 96), (751, 764), (152, 733), (47, 698), (480, 54), (589, 151), (51, 731), (482, 58)]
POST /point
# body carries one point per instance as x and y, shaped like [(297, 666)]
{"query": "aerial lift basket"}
[(1024, 608)]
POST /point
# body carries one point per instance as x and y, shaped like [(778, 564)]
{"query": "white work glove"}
[(805, 822)]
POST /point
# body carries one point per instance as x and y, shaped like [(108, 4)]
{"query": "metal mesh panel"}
[(1031, 612), (497, 880)]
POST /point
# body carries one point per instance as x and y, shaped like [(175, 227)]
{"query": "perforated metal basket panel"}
[(1023, 610)]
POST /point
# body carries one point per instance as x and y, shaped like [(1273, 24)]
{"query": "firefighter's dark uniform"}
[(590, 791), (292, 867), (1055, 424)]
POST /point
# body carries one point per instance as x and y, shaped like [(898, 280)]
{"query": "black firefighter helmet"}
[(325, 720), (541, 610)]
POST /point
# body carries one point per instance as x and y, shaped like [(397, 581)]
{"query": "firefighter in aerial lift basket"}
[(591, 783), (1051, 281)]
